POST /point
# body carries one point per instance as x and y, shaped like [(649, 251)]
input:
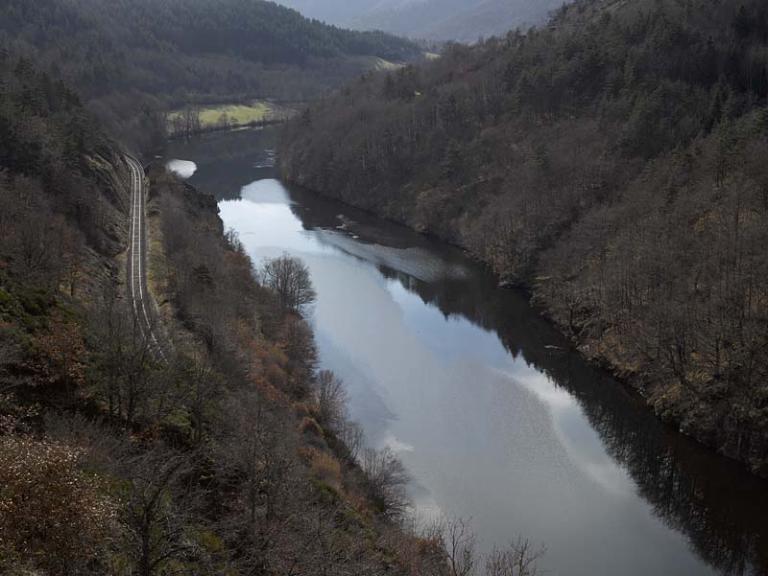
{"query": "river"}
[(496, 419)]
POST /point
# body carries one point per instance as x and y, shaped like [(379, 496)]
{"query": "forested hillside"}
[(235, 454), (132, 58), (61, 194), (614, 164)]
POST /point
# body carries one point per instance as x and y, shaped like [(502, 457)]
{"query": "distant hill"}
[(126, 56), (437, 20)]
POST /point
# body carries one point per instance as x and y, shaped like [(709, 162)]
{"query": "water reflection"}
[(713, 501), (183, 168), (492, 413), (227, 161), (717, 505)]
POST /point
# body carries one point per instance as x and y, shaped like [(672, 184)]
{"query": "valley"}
[(393, 288), (495, 415)]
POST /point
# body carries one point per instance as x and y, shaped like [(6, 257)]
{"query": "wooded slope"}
[(612, 162), (129, 59), (234, 456)]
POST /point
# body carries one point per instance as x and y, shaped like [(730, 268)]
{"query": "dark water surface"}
[(493, 415)]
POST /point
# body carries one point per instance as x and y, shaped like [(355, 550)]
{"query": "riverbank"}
[(411, 325), (254, 125), (630, 200), (708, 421), (196, 120), (255, 394), (479, 395)]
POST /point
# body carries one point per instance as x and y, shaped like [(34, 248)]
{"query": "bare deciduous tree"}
[(331, 400), (352, 436), (518, 559), (460, 547), (289, 278), (125, 376), (257, 449), (155, 525), (386, 478)]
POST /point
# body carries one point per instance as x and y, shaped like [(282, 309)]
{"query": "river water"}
[(496, 419)]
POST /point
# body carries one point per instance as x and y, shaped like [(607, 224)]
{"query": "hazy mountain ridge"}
[(436, 20)]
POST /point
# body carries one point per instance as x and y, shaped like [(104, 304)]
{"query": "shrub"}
[(52, 514), (386, 480), (326, 469), (310, 427)]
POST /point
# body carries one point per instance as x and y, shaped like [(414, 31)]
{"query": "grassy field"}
[(238, 114), (381, 64), (232, 115)]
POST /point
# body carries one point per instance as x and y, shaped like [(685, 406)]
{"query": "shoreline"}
[(622, 375)]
